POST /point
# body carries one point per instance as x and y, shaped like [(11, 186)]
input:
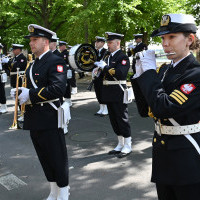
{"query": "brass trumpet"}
[(15, 124), (24, 82)]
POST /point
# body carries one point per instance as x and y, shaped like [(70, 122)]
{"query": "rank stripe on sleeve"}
[(178, 96), (179, 92), (174, 97), (39, 94)]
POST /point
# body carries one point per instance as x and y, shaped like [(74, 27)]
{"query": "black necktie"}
[(110, 58), (36, 61), (170, 67)]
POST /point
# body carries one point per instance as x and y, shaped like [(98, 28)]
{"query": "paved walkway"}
[(94, 175)]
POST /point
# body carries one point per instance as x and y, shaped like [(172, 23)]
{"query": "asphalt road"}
[(94, 175)]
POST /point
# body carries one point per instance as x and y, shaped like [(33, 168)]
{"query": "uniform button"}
[(154, 139), (36, 81), (162, 142)]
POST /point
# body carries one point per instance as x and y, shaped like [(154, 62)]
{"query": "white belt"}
[(113, 82), (15, 73), (177, 130), (49, 101)]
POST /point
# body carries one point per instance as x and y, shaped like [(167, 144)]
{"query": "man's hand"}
[(95, 72), (101, 64), (24, 96)]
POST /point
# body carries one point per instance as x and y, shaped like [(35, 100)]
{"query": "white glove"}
[(5, 60), (94, 72), (147, 59), (13, 93), (131, 46), (138, 69), (24, 96), (101, 64)]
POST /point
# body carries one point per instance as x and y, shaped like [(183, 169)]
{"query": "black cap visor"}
[(175, 28), (39, 33)]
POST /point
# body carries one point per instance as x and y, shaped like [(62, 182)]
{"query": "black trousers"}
[(68, 90), (51, 149), (72, 81), (118, 114), (2, 93), (185, 192), (97, 88)]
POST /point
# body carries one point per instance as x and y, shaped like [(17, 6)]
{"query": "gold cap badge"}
[(165, 20), (106, 35), (31, 29)]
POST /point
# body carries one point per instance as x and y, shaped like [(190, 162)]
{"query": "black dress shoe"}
[(122, 155), (97, 114), (113, 152), (102, 115)]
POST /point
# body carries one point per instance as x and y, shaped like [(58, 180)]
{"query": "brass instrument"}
[(24, 84), (24, 81), (15, 124)]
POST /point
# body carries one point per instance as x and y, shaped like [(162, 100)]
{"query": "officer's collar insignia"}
[(31, 29), (165, 20), (106, 35)]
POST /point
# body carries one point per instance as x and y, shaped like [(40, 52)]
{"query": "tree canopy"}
[(79, 21)]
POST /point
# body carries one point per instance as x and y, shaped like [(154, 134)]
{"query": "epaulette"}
[(158, 69)]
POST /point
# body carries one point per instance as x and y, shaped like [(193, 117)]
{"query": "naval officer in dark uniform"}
[(3, 61), (53, 45), (133, 49), (46, 84), (19, 61), (114, 72), (53, 48), (71, 80), (101, 54), (171, 97)]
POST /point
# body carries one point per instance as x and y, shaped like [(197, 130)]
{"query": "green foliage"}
[(129, 76), (193, 7), (79, 21)]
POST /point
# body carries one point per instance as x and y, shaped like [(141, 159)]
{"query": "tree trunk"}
[(85, 3), (86, 31)]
